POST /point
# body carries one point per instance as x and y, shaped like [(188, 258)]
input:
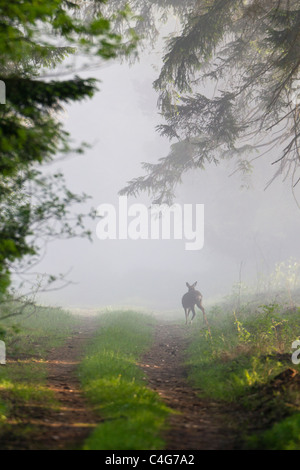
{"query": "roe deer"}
[(189, 300)]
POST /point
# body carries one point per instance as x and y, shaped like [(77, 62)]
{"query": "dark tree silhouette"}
[(249, 52)]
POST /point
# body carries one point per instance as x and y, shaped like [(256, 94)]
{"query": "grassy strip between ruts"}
[(133, 415), (23, 379), (248, 360)]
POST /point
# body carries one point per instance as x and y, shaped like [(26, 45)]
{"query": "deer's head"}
[(191, 288)]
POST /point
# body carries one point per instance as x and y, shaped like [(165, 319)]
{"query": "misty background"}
[(252, 226)]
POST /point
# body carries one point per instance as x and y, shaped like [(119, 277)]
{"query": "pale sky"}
[(256, 227)]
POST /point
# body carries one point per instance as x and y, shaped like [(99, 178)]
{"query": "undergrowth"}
[(245, 359), (23, 380), (133, 416)]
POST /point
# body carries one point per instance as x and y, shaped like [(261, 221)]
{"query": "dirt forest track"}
[(198, 424), (64, 426)]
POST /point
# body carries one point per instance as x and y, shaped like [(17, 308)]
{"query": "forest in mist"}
[(204, 95), (149, 227)]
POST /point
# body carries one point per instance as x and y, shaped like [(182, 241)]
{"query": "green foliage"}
[(133, 415), (245, 350), (36, 330), (30, 132), (248, 361), (2, 333), (243, 335), (282, 436), (138, 18), (249, 53), (23, 380)]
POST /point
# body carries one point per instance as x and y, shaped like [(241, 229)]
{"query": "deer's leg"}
[(186, 311), (194, 313), (203, 311), (189, 311)]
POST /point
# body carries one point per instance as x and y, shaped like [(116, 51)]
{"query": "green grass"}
[(35, 333), (282, 436), (134, 416), (23, 379), (248, 348)]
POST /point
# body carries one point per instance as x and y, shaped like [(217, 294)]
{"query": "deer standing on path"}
[(189, 300)]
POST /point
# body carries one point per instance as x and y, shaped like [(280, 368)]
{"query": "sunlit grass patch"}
[(26, 392), (282, 436), (35, 332), (231, 378), (133, 415), (3, 412), (246, 350), (246, 361), (23, 380)]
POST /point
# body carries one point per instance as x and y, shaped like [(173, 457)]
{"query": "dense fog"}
[(249, 227)]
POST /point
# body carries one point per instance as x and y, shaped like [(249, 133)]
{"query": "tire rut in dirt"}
[(66, 424), (200, 424), (71, 425)]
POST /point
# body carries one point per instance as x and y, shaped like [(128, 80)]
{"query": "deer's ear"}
[(194, 285), (187, 285)]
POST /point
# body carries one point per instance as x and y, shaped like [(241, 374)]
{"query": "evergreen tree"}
[(33, 207), (248, 51), (143, 20)]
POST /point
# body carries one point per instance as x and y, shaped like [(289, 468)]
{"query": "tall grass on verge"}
[(284, 435), (133, 416), (247, 348), (23, 379), (248, 359)]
